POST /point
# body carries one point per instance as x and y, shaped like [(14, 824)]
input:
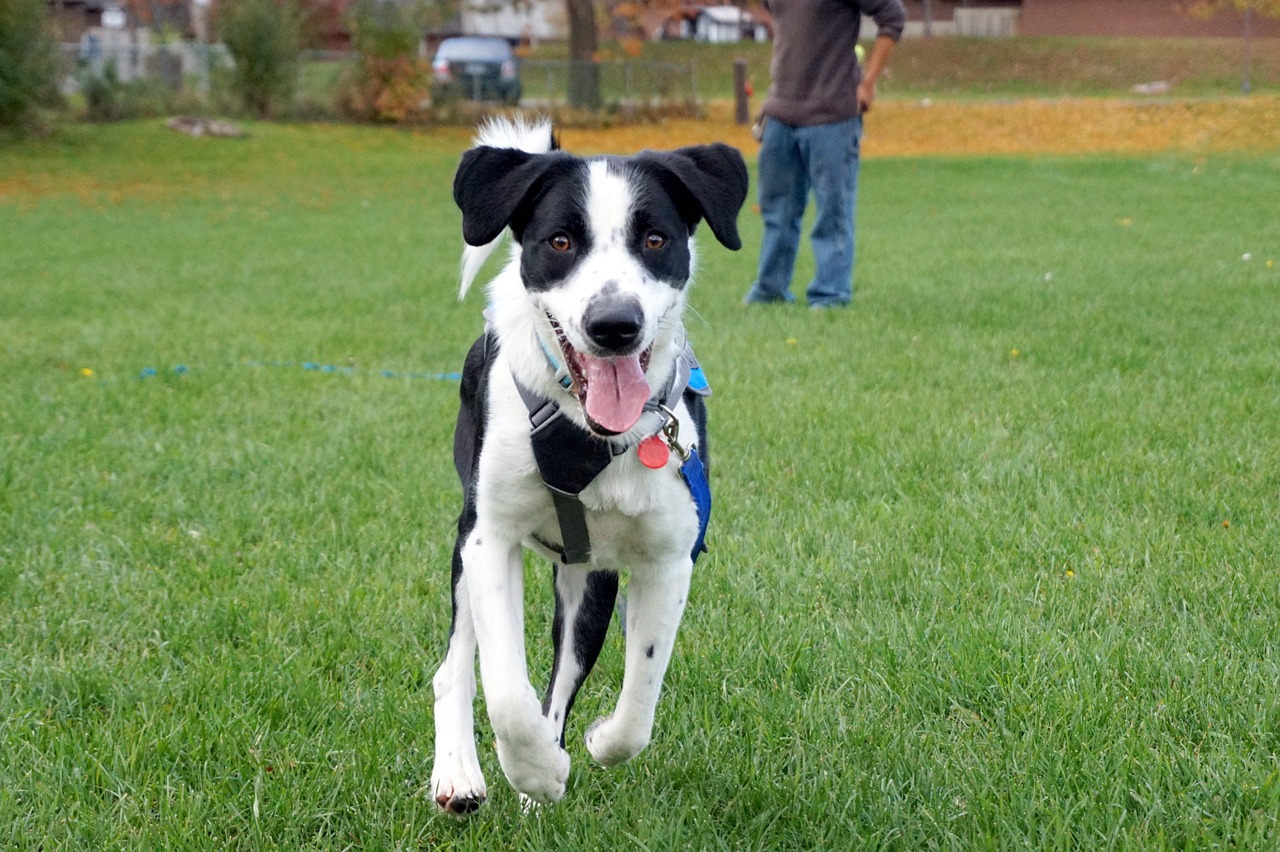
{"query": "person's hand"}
[(866, 94), (871, 70)]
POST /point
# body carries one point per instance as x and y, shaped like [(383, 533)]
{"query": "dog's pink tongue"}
[(616, 391)]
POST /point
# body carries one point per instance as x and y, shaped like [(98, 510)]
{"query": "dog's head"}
[(605, 251)]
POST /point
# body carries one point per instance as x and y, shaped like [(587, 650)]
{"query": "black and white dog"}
[(581, 435)]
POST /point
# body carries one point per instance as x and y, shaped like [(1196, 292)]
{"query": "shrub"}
[(388, 81), (28, 63), (386, 90), (264, 38), (107, 98)]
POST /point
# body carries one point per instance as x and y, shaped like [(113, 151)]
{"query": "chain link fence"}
[(625, 85), (175, 66), (142, 78), (119, 76)]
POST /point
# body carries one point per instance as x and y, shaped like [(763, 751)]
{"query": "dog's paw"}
[(457, 789), (529, 806), (536, 765), (610, 744), (459, 801)]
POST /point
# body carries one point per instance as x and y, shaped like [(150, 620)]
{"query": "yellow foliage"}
[(1205, 9), (1067, 126)]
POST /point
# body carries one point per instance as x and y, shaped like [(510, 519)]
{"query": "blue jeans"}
[(793, 160)]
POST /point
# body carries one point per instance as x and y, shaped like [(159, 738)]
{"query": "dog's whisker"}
[(695, 312)]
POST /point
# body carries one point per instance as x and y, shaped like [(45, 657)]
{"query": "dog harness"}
[(569, 457)]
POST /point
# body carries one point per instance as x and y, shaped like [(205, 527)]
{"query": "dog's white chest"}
[(636, 515)]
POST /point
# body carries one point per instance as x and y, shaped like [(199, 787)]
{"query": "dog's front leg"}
[(457, 783), (655, 603), (584, 606), (528, 745)]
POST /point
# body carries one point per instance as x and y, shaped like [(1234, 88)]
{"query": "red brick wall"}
[(1131, 18), (1106, 17)]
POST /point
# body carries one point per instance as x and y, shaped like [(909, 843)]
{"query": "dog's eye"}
[(560, 242), (653, 240)]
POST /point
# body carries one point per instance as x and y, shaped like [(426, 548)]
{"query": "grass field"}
[(981, 68), (993, 563)]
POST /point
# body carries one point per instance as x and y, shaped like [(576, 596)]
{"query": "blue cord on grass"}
[(316, 367)]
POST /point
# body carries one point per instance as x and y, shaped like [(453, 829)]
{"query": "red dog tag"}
[(653, 452)]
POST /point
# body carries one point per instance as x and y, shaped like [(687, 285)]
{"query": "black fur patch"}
[(540, 197)]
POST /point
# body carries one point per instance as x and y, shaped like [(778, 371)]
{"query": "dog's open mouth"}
[(612, 391)]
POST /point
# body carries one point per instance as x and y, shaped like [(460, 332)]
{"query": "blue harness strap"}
[(694, 475)]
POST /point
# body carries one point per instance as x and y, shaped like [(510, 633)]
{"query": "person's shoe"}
[(751, 299)]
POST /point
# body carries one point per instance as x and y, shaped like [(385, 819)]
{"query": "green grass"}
[(1010, 67), (992, 562)]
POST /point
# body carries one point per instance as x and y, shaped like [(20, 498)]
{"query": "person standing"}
[(811, 140)]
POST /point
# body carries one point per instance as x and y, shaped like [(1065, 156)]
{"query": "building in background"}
[(715, 24), (525, 21)]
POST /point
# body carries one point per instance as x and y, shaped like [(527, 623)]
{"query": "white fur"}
[(639, 520), (520, 316)]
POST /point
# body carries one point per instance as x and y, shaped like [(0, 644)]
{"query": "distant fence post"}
[(740, 108), (1246, 84)]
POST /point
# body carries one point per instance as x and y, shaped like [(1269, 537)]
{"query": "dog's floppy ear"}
[(491, 186), (714, 177)]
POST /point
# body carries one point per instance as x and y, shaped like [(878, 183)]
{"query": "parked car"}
[(477, 68)]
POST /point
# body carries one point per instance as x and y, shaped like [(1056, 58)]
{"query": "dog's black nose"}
[(614, 326)]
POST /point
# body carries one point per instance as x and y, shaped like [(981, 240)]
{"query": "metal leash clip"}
[(671, 431)]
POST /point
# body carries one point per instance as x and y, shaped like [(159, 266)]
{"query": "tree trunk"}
[(584, 73)]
